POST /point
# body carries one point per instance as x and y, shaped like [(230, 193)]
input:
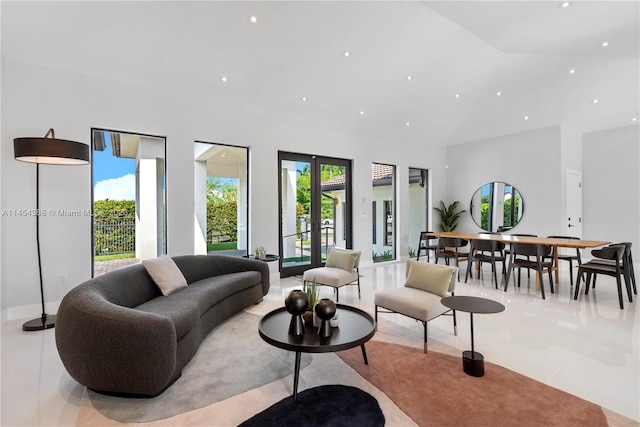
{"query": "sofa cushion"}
[(411, 302), (165, 273), (430, 277), (183, 312)]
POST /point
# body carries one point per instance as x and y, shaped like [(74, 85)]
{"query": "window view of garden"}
[(128, 199)]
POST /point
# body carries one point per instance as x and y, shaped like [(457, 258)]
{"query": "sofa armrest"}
[(110, 348)]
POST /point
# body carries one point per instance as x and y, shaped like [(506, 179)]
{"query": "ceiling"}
[(459, 56)]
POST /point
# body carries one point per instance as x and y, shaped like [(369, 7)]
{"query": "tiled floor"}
[(588, 347)]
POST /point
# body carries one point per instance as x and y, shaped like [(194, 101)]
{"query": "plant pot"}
[(308, 318)]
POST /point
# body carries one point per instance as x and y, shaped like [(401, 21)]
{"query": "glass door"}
[(315, 210)]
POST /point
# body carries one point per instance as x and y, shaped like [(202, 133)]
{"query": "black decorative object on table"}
[(296, 303), (325, 310)]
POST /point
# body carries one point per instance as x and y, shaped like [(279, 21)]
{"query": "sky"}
[(114, 177)]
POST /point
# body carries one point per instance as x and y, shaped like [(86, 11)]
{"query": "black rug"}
[(329, 405)]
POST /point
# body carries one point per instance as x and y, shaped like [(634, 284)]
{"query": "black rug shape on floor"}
[(328, 405)]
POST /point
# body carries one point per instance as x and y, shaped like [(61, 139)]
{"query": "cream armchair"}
[(341, 269), (426, 284)]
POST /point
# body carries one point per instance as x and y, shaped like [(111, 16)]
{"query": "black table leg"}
[(472, 361), (364, 354), (296, 376)]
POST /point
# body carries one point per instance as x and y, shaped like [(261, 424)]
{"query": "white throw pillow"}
[(166, 274), (430, 277)]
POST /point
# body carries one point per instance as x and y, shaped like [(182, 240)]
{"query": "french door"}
[(315, 209)]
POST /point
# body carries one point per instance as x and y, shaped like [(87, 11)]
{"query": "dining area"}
[(509, 254)]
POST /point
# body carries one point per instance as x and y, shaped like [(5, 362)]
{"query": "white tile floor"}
[(589, 347)]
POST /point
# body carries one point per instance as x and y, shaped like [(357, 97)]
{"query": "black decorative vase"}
[(296, 303), (325, 310)]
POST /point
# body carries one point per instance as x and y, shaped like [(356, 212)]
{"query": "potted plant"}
[(261, 252), (449, 215), (312, 290)]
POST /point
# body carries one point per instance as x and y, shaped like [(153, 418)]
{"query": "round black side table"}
[(472, 361)]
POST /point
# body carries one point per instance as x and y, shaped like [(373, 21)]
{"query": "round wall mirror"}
[(496, 207)]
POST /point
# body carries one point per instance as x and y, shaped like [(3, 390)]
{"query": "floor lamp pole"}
[(45, 321)]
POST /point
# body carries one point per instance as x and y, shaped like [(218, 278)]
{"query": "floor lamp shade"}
[(53, 151)]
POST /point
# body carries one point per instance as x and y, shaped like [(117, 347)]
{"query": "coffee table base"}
[(473, 363)]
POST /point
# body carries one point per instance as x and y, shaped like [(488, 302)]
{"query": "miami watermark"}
[(47, 212)]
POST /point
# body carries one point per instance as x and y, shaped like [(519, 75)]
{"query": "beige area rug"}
[(323, 369)]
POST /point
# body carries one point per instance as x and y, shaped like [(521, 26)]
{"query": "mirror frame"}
[(488, 190)]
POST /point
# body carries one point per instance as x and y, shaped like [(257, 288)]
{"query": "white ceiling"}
[(523, 49)]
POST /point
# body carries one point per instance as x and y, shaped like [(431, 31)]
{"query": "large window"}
[(128, 199), (418, 207), (221, 199), (383, 215)]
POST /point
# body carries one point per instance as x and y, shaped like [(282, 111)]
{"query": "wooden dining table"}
[(554, 242)]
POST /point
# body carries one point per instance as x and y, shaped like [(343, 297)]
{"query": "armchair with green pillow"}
[(341, 269), (425, 286)]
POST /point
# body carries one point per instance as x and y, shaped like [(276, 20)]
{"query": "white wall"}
[(530, 161), (35, 99), (611, 186)]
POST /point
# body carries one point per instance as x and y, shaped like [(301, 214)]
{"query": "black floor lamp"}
[(53, 151)]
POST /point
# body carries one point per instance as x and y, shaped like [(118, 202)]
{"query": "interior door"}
[(315, 210), (574, 203)]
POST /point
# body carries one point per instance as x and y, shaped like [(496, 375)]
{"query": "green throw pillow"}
[(342, 258), (429, 277)]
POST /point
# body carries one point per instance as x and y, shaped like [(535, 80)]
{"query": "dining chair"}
[(613, 253), (627, 266), (489, 251), (539, 264), (507, 251), (424, 245), (450, 248), (567, 257)]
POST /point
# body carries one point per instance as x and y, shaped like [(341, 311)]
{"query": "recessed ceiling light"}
[(564, 4), (595, 101), (346, 54), (224, 79), (408, 124), (457, 95), (526, 117), (635, 119), (362, 113), (571, 71), (304, 99), (409, 77), (253, 19), (605, 44), (498, 93)]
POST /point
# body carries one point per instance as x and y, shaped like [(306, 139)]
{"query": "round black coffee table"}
[(356, 327), (472, 361)]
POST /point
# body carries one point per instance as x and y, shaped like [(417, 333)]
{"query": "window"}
[(384, 223)]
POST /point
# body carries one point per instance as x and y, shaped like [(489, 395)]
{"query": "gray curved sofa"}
[(117, 334)]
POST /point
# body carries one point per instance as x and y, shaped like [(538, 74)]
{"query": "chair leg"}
[(588, 282), (466, 276), (337, 294), (570, 271), (550, 280), (376, 318), (359, 297), (540, 276), (455, 324), (619, 283), (426, 349), (575, 293), (495, 275)]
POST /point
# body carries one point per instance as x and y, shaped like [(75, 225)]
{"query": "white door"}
[(574, 203)]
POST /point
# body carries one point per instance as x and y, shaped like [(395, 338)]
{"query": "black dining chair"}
[(613, 253), (507, 251), (425, 246), (489, 251), (627, 266), (567, 257), (539, 263), (450, 248)]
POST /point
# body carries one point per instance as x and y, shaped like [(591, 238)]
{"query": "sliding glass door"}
[(315, 210)]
